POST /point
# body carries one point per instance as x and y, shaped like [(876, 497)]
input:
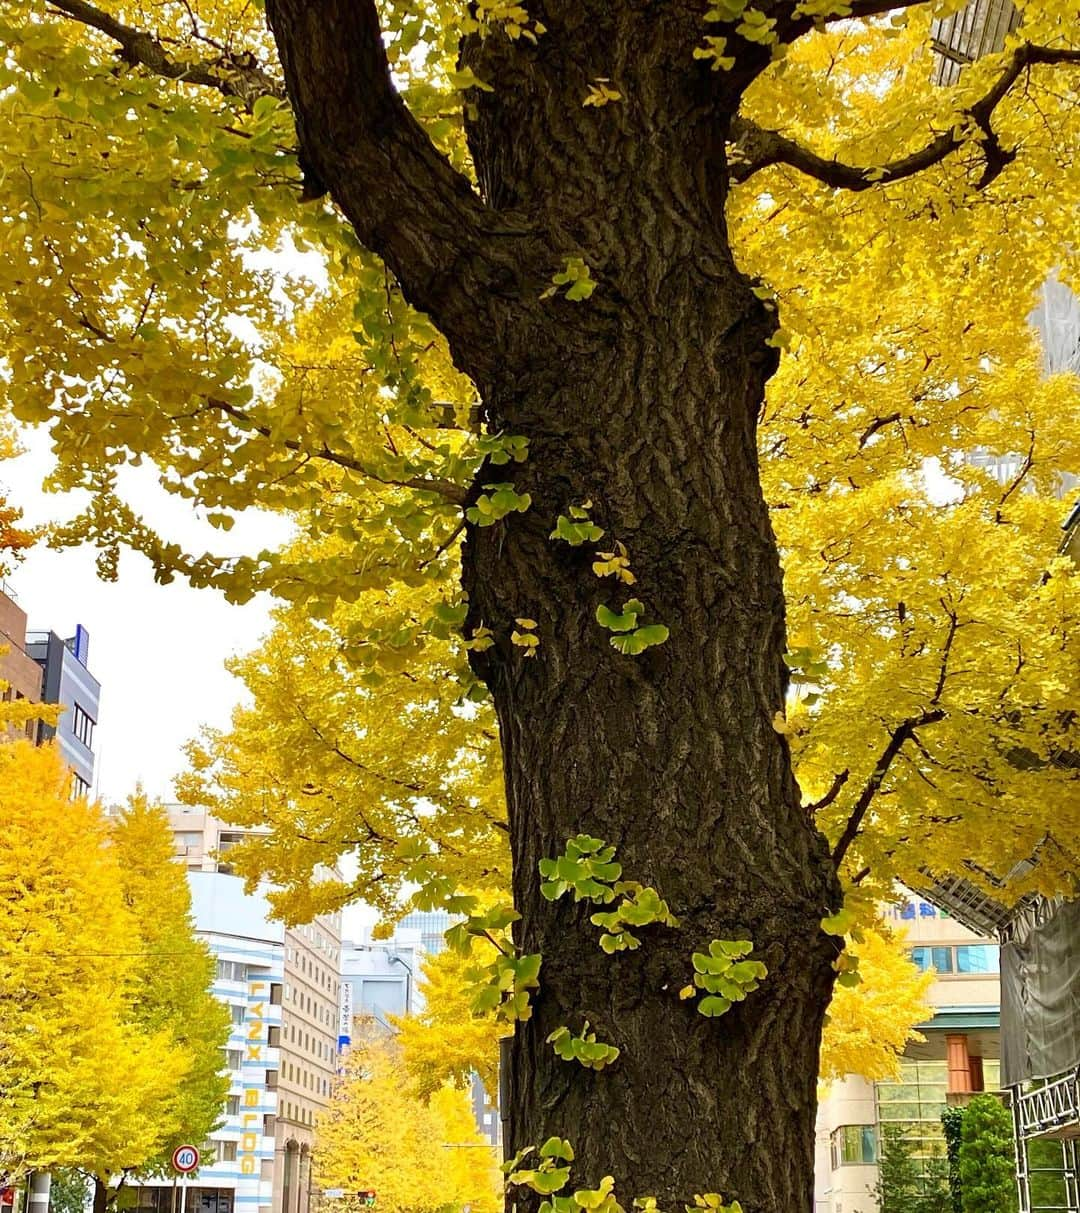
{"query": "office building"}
[(282, 987), (382, 978), (66, 680), (959, 1057), (44, 668)]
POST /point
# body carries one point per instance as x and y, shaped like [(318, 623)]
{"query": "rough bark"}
[(643, 400), (670, 755)]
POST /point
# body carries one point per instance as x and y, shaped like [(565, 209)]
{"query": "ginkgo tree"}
[(67, 987), (418, 1153), (586, 312)]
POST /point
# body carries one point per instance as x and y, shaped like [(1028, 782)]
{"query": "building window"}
[(951, 960), (82, 726), (911, 1107), (977, 958), (271, 1080), (231, 970), (273, 1036), (227, 1151), (268, 1125), (853, 1146), (237, 1012), (924, 958), (275, 994), (79, 786), (233, 1058), (232, 1105)]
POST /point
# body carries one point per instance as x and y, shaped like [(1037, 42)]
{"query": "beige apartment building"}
[(17, 668)]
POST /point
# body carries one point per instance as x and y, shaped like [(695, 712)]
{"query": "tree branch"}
[(232, 75), (402, 196), (758, 147), (837, 784), (794, 23), (444, 488), (896, 742)]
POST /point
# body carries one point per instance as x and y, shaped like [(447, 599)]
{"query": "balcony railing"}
[(1052, 1110)]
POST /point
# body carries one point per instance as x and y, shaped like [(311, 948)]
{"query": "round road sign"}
[(185, 1159)]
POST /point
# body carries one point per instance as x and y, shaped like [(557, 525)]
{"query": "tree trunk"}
[(673, 757), (644, 400), (101, 1195)]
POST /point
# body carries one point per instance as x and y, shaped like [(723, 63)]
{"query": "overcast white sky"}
[(158, 651)]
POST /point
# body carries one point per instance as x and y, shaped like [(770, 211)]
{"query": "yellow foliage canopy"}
[(419, 1154), (69, 953), (871, 1024)]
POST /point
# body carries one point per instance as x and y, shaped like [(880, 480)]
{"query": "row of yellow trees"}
[(110, 1040), (419, 1151)]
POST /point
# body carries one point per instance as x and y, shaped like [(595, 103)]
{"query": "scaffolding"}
[(1048, 1116), (978, 29)]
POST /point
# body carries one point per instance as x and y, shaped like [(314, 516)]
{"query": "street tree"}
[(586, 313), (172, 995), (987, 1158), (418, 1152), (68, 953)]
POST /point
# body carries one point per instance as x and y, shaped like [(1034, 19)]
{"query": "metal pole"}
[(183, 1192)]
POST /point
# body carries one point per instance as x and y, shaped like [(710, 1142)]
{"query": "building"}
[(44, 668), (381, 976), (960, 1056), (17, 668), (66, 680), (282, 987)]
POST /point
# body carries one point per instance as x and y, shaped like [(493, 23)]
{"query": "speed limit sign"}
[(185, 1159)]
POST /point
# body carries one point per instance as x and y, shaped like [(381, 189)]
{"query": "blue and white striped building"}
[(282, 987)]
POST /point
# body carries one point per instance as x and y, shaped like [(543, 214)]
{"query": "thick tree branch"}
[(900, 735), (233, 75), (757, 148), (402, 196)]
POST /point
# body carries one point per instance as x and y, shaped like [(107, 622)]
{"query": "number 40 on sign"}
[(185, 1159)]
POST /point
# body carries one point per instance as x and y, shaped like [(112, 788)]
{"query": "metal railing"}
[(1051, 1109)]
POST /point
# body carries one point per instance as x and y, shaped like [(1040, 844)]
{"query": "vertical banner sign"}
[(251, 1120), (345, 1025)]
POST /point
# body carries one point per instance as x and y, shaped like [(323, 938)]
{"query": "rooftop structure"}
[(978, 29)]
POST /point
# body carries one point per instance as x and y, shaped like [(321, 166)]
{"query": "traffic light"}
[(366, 1198)]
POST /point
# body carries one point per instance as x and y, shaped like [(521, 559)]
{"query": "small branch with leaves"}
[(756, 147), (901, 734)]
